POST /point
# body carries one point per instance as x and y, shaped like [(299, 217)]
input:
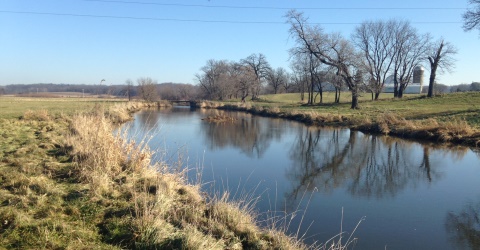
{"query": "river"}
[(407, 195)]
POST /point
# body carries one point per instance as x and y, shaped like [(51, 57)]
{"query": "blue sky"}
[(84, 41)]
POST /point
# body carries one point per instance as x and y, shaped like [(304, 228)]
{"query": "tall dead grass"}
[(39, 115), (450, 131), (153, 206)]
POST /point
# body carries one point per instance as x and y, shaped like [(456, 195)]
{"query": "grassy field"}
[(15, 107), (455, 106)]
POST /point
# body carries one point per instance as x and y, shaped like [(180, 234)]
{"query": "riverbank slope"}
[(67, 182), (450, 118)]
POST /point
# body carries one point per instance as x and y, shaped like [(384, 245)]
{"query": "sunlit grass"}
[(454, 106), (15, 107)]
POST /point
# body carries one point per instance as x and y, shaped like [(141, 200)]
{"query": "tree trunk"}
[(312, 90), (377, 95), (395, 85), (400, 92), (431, 83), (354, 101)]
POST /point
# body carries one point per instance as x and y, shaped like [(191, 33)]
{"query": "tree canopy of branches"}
[(147, 89), (440, 57), (221, 80), (330, 49), (213, 80), (376, 41), (471, 18), (277, 78), (260, 67), (410, 49), (305, 65)]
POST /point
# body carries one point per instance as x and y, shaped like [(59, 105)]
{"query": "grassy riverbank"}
[(66, 182), (451, 118)]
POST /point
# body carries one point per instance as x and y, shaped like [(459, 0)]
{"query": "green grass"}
[(455, 106), (15, 107)]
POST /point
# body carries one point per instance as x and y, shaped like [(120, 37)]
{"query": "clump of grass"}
[(39, 115), (219, 118)]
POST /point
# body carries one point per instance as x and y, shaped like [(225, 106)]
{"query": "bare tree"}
[(440, 58), (288, 84), (147, 89), (471, 18), (302, 74), (129, 84), (299, 80), (330, 49), (260, 66), (337, 83), (243, 77), (410, 50), (375, 40), (212, 79), (276, 78)]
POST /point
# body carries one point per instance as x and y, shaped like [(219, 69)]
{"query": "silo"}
[(418, 75)]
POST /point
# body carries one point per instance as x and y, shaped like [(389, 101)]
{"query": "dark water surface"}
[(411, 195)]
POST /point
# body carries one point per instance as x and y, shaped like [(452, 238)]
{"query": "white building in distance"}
[(415, 87)]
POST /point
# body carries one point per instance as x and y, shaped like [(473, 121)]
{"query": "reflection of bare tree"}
[(464, 227), (372, 166), (321, 162), (387, 170), (252, 135)]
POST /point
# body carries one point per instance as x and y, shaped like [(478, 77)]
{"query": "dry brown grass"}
[(219, 118), (455, 130), (165, 211), (39, 115)]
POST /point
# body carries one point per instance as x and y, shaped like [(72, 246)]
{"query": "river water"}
[(407, 195)]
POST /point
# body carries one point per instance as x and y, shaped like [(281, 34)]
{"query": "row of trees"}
[(319, 60), (375, 51), (144, 88), (220, 79), (149, 90)]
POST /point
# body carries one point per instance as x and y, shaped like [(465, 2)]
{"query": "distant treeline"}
[(474, 86), (166, 91)]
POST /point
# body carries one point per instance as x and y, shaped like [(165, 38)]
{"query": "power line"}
[(136, 18), (272, 7), (186, 20)]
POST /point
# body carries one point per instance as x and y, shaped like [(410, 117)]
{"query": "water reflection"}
[(404, 188), (252, 136), (369, 166), (464, 227)]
